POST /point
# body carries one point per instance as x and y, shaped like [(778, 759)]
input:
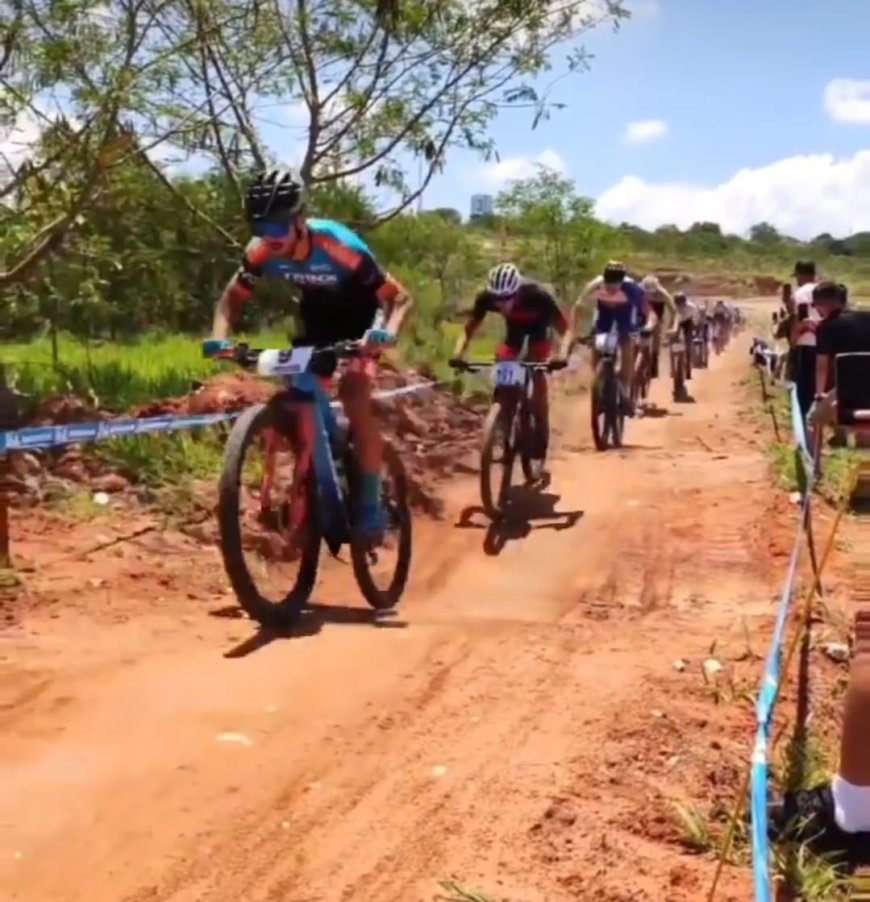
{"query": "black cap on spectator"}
[(805, 268)]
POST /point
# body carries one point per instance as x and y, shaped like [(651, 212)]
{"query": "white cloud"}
[(645, 130), (848, 100), (643, 9), (802, 196), (18, 140), (496, 175)]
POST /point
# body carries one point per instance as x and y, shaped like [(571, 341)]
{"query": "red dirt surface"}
[(521, 724)]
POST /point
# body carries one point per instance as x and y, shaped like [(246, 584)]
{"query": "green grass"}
[(120, 376), (115, 376), (456, 892), (837, 463), (815, 879), (160, 459)]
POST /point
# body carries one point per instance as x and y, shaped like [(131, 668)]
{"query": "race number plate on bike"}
[(289, 362), (607, 343), (507, 373)]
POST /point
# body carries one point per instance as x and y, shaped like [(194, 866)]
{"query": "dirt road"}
[(519, 725)]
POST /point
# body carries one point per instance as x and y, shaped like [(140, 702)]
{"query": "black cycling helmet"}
[(275, 195), (614, 272)]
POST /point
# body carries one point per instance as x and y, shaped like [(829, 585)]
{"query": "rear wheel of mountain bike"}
[(642, 374), (497, 457), (531, 437), (678, 370), (382, 571), (264, 532)]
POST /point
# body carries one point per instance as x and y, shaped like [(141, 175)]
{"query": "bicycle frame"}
[(333, 513), (334, 520)]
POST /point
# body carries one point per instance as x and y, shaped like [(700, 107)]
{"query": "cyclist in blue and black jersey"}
[(619, 302), (344, 296)]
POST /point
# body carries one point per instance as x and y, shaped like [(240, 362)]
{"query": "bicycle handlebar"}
[(474, 365), (246, 357)]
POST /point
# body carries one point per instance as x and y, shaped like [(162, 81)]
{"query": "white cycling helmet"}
[(503, 280), (650, 283)]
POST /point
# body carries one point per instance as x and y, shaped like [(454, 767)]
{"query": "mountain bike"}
[(608, 416), (642, 378), (678, 351), (326, 485), (699, 348), (719, 336), (510, 430)]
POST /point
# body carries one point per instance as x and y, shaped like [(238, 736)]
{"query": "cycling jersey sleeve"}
[(368, 274), (480, 308)]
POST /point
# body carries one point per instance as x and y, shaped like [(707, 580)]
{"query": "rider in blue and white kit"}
[(619, 303)]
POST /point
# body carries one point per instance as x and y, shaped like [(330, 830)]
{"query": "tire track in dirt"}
[(503, 734)]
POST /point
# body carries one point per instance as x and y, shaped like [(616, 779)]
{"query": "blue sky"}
[(755, 110), (739, 85)]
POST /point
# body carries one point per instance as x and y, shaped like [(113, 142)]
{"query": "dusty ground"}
[(520, 725)]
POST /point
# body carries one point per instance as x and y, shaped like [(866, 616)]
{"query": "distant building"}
[(482, 205)]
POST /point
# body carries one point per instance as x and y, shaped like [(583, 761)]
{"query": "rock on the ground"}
[(111, 483)]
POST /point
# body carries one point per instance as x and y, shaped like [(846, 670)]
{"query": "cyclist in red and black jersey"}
[(530, 313)]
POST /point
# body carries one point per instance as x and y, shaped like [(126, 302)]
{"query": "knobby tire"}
[(498, 425), (268, 613), (377, 598)]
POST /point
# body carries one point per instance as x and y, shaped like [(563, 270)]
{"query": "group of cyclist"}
[(345, 295)]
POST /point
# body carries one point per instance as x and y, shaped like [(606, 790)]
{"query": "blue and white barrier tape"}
[(769, 690), (40, 437)]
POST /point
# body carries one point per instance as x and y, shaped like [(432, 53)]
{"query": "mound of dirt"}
[(62, 410), (436, 433), (717, 284)]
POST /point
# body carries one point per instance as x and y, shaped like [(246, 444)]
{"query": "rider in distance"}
[(530, 312), (658, 299), (344, 296), (619, 303)]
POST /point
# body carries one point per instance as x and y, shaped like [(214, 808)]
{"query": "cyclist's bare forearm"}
[(577, 311), (395, 313), (464, 339), (223, 315)]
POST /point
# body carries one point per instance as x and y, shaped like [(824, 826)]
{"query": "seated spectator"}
[(839, 331)]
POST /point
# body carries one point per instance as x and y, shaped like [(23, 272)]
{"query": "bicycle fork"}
[(300, 441)]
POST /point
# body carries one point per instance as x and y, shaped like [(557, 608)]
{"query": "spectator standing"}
[(784, 329), (804, 334)]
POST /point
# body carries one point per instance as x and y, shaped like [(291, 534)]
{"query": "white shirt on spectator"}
[(806, 329)]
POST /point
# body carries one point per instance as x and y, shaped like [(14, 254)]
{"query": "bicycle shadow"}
[(525, 507), (653, 411), (311, 621)]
